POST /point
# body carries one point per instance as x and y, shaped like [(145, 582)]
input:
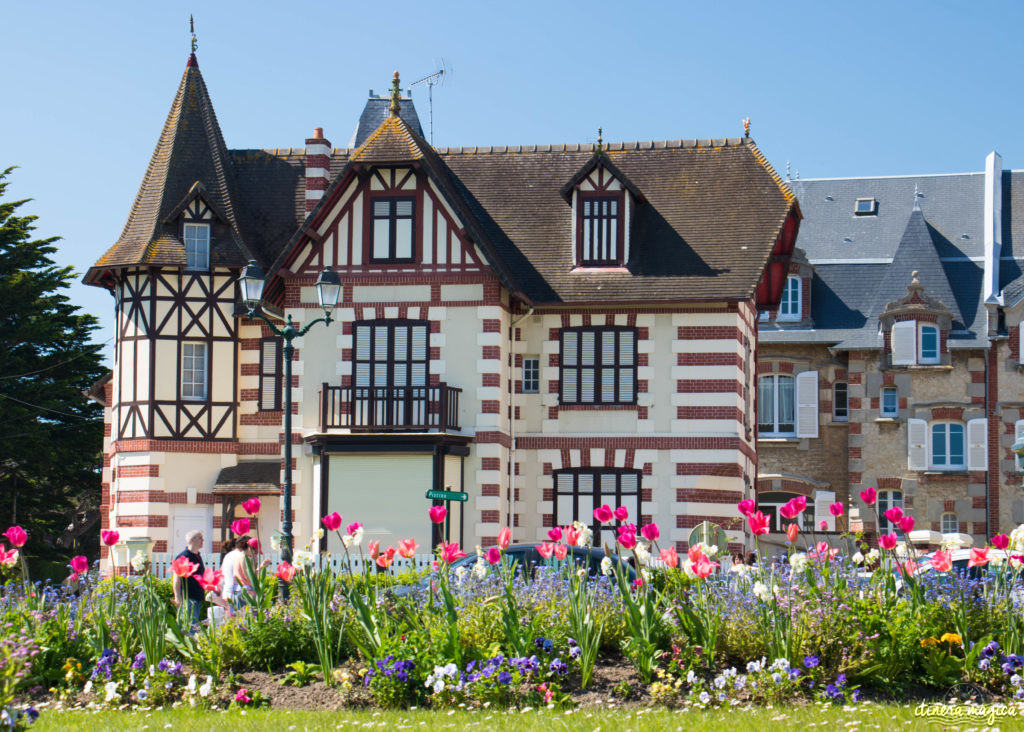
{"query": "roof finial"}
[(917, 195), (192, 30), (600, 141), (787, 170), (396, 93), (746, 127)]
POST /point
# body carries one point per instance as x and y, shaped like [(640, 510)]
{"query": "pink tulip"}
[(8, 557), (1000, 541), (252, 506), (703, 566), (561, 551), (746, 507), (373, 548), (836, 509), (504, 538), (493, 555), (80, 564), (942, 561), (907, 524), (183, 568), (792, 531), (571, 535), (869, 496), (437, 514), (894, 514), (638, 583), (332, 522), (789, 510), (801, 503), (555, 534), (758, 523), (109, 537), (72, 578), (546, 549), (669, 557), (450, 552), (650, 532), (241, 526), (887, 541), (352, 528), (622, 513), (407, 548), (17, 536), (210, 579), (386, 557), (626, 529), (254, 544), (979, 557), (627, 540), (695, 552), (603, 513), (285, 571), (910, 567), (823, 525)]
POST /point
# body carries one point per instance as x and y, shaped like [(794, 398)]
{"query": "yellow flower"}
[(951, 638), (929, 641)]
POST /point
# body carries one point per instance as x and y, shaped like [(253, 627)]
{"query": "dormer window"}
[(392, 229), (865, 207), (197, 246), (789, 307), (599, 230), (915, 343)]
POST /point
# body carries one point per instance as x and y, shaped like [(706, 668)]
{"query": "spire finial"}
[(396, 93), (600, 140), (746, 127), (917, 195), (192, 30), (787, 171)]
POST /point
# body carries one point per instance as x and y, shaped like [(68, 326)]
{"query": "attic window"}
[(197, 246), (865, 207), (599, 230)]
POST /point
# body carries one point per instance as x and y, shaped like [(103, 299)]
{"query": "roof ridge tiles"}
[(622, 146)]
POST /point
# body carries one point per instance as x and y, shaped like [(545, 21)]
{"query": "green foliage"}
[(301, 674), (266, 639)]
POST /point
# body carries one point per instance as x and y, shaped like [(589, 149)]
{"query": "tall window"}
[(392, 230), (929, 344), (887, 500), (197, 246), (598, 365), (840, 402), (947, 445), (390, 373), (579, 491), (949, 523), (890, 401), (789, 308), (600, 230), (270, 374), (194, 367), (531, 374), (776, 405)]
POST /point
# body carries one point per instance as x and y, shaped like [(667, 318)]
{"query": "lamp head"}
[(251, 281), (328, 288)]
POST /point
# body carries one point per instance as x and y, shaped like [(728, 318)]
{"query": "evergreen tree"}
[(50, 432)]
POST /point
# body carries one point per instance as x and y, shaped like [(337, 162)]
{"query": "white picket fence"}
[(161, 563)]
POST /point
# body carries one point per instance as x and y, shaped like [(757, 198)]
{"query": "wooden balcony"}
[(389, 408)]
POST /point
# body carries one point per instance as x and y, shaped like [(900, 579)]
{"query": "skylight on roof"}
[(865, 207)]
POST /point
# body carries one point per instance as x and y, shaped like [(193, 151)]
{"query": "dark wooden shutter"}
[(270, 375)]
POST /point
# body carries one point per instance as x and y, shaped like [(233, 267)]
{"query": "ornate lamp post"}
[(328, 287)]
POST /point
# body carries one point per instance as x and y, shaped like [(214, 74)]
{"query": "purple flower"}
[(505, 678), (810, 661), (559, 666)]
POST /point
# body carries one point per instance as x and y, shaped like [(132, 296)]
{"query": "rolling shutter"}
[(904, 342), (822, 500), (977, 444), (917, 440), (807, 404)]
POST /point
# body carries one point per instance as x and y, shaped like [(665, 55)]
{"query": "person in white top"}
[(233, 562)]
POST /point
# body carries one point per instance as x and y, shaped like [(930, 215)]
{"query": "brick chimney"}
[(318, 167)]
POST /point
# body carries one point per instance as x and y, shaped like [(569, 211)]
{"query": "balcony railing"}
[(389, 408)]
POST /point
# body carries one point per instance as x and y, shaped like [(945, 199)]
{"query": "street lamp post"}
[(328, 287)]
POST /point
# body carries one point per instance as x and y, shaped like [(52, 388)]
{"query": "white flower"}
[(438, 686), (111, 690), (606, 566), (480, 569), (585, 534), (704, 697), (642, 555), (460, 574), (781, 664), (303, 559), (152, 670), (901, 550), (761, 592), (191, 685), (687, 566), (87, 689), (275, 541), (139, 561), (720, 682), (691, 677), (730, 673), (753, 667), (798, 562), (131, 678), (646, 575), (450, 670), (581, 572), (357, 536), (858, 558), (872, 556), (206, 688), (347, 541), (319, 533)]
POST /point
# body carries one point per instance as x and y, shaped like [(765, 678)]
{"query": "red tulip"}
[(17, 536), (746, 507), (910, 567), (505, 538), (603, 513), (332, 522), (907, 524), (386, 557), (80, 564), (493, 555), (571, 535), (695, 552), (450, 552), (894, 514), (792, 531), (252, 506), (561, 550), (109, 537), (942, 561), (622, 513), (869, 496), (210, 579), (887, 541), (758, 523), (285, 571), (407, 548), (555, 534), (1000, 541), (373, 548), (650, 532), (979, 557), (703, 566), (546, 549), (669, 557), (183, 568), (628, 540), (241, 526), (836, 509), (437, 514)]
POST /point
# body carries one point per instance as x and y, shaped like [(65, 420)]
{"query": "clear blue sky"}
[(837, 89)]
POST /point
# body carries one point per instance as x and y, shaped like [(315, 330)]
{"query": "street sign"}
[(448, 495)]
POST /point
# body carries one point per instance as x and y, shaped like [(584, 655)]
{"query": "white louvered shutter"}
[(1018, 433), (822, 500), (807, 404), (977, 444), (420, 356), (268, 374), (904, 342), (362, 355), (917, 444), (588, 366), (569, 361)]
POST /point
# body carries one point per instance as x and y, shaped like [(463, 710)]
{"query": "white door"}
[(186, 518)]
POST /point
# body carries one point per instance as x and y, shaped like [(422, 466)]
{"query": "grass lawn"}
[(861, 716)]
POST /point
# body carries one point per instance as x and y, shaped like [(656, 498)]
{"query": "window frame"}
[(793, 282), (942, 523), (204, 256), (582, 197), (613, 499), (844, 416), (895, 411), (776, 432), (618, 367), (948, 465), (268, 371), (888, 499), (392, 219), (530, 375), (871, 210), (937, 358), (389, 360), (185, 383)]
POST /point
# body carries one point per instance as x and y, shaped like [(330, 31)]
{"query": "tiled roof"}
[(251, 473), (393, 141)]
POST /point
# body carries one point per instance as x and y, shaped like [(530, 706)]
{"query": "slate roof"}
[(376, 111), (861, 263), (249, 474)]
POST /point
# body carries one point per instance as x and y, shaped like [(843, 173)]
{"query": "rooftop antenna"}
[(431, 81)]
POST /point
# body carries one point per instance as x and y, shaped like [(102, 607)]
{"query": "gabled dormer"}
[(602, 200), (201, 226), (795, 304), (916, 328)]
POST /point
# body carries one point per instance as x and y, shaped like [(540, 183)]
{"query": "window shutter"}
[(977, 444), (904, 342), (269, 367), (1018, 433), (807, 404), (917, 439), (822, 500), (569, 358), (1020, 337)]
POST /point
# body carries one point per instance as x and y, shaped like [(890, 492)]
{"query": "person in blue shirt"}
[(191, 589)]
